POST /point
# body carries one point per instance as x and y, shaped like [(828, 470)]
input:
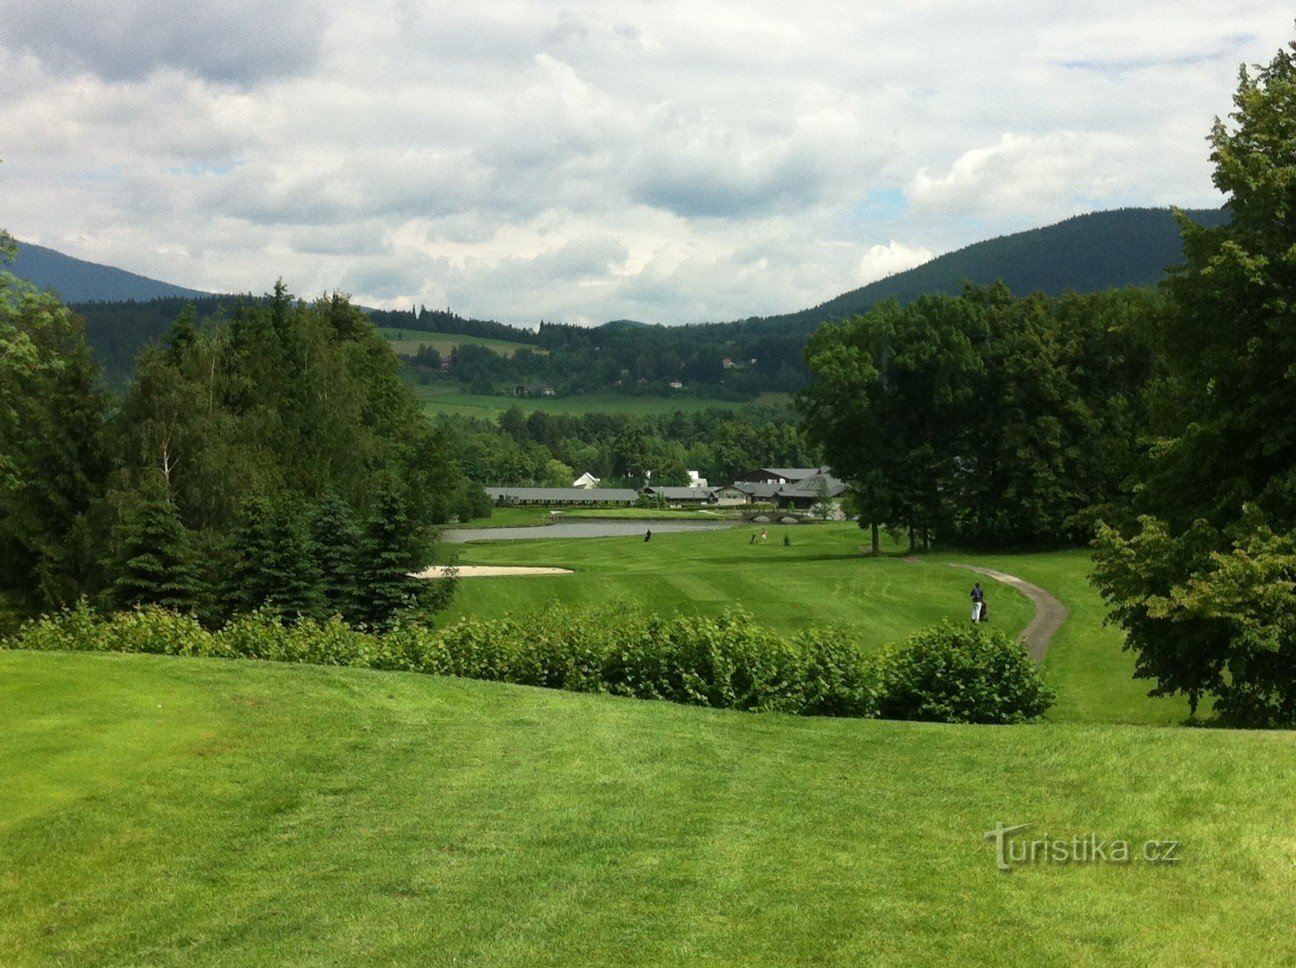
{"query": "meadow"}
[(443, 396), (407, 342)]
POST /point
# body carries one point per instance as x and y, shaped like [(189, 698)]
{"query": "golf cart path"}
[(1050, 613)]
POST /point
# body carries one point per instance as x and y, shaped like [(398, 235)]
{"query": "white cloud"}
[(665, 161), (1050, 173)]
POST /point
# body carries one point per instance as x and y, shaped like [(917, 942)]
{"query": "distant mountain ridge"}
[(1087, 253), (1084, 253), (76, 280)]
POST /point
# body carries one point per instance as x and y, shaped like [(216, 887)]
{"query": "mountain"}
[(1085, 253), (76, 280)]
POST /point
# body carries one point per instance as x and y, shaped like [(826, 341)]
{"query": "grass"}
[(658, 514), (197, 812), (443, 396), (820, 579), (823, 579), (1086, 664), (408, 341), (508, 518)]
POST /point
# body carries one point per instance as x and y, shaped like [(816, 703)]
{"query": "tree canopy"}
[(1202, 582)]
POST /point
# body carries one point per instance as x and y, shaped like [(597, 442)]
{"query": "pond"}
[(582, 529)]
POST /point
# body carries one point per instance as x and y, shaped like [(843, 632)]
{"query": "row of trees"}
[(983, 419), (1164, 419), (545, 449), (274, 460)]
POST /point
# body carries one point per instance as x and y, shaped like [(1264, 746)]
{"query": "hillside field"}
[(446, 397), (408, 341)]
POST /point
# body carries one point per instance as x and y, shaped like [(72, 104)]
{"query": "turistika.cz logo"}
[(1012, 850)]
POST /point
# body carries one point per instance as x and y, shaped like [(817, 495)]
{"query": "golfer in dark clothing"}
[(978, 603)]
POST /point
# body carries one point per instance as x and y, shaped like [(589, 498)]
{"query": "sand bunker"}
[(489, 571)]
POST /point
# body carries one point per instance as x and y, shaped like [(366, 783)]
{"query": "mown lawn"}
[(819, 579), (823, 579), (1094, 677), (164, 811)]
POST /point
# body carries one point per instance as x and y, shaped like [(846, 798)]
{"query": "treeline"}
[(985, 419), (275, 460), (627, 360), (551, 450)]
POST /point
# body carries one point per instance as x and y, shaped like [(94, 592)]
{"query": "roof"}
[(809, 487), (566, 495), (782, 473), (684, 493), (757, 490)]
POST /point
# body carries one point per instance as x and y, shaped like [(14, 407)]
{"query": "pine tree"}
[(337, 541), (273, 562), (389, 552), (155, 562)]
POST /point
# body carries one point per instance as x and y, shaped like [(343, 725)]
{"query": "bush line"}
[(946, 674)]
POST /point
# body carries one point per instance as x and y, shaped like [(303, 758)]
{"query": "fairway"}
[(823, 579), (819, 579), (200, 812)]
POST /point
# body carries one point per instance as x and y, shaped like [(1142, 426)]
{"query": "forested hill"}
[(76, 280), (1085, 253)]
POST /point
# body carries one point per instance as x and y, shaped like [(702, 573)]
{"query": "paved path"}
[(1049, 612)]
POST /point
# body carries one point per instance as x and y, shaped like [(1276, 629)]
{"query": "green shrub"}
[(950, 674), (961, 674), (839, 680)]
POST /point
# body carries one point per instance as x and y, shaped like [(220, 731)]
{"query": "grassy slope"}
[(408, 341), (445, 397), (821, 579), (197, 812)]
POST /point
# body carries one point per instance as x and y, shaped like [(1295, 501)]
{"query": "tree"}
[(1218, 488), (155, 561), (53, 461), (389, 554), (336, 539), (273, 562)]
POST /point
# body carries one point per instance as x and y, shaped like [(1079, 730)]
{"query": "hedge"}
[(949, 673)]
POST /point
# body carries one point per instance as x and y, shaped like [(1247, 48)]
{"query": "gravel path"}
[(1049, 612)]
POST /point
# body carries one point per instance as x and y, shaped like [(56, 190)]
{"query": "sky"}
[(658, 160)]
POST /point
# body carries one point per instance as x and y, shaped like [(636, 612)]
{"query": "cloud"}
[(1049, 173), (663, 161), (224, 41)]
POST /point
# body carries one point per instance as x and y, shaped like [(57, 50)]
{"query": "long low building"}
[(562, 495)]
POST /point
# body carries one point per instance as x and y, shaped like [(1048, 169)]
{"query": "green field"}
[(408, 341), (823, 579), (445, 397), (820, 579), (165, 811)]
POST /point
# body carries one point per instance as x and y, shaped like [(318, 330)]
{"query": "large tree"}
[(52, 458), (982, 419), (1218, 491)]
